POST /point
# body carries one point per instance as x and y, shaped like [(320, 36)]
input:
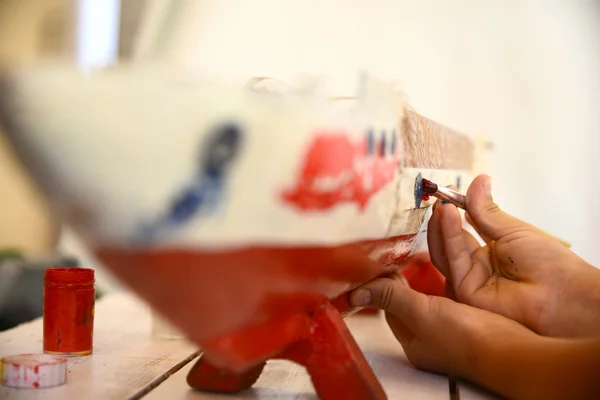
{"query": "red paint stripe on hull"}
[(210, 294)]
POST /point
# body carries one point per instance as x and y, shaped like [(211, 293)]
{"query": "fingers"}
[(449, 291), (486, 216), (400, 330), (392, 296), (409, 313), (435, 242), (459, 246), (397, 276), (477, 277), (484, 237), (455, 246), (439, 202)]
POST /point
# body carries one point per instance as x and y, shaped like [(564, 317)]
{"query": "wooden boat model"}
[(243, 215)]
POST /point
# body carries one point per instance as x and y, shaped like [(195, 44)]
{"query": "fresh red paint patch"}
[(336, 170)]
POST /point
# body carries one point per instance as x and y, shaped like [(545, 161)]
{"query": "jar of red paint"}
[(69, 298)]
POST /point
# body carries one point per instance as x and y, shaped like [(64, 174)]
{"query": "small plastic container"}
[(33, 371), (69, 299)]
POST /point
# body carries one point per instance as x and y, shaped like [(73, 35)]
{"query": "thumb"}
[(486, 216), (394, 297)]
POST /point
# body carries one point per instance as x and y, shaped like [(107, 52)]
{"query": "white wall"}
[(524, 73)]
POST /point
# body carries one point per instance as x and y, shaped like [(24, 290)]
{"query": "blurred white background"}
[(523, 73)]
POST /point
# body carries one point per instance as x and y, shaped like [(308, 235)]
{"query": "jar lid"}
[(69, 276), (33, 371)]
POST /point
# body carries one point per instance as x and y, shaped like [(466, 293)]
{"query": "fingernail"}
[(487, 187), (360, 297)]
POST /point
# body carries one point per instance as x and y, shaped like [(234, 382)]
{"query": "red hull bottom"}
[(247, 306)]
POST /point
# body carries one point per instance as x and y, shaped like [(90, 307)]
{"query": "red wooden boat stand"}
[(318, 340)]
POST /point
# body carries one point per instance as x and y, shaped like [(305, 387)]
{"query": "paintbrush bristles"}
[(429, 187)]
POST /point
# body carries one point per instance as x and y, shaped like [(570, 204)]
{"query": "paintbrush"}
[(443, 193), (424, 188)]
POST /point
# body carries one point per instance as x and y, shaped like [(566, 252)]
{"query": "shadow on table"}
[(254, 393)]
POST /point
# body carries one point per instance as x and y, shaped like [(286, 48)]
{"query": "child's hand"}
[(438, 334), (443, 336), (522, 273)]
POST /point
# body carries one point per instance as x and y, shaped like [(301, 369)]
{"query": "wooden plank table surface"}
[(128, 363)]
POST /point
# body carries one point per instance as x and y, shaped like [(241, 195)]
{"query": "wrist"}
[(581, 302), (495, 354), (492, 349), (532, 366)]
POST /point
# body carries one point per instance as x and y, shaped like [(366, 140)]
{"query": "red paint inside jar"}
[(69, 298)]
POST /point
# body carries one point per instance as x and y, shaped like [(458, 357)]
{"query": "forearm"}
[(580, 304), (537, 367)]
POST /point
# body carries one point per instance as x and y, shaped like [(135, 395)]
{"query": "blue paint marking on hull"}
[(205, 193), (418, 190)]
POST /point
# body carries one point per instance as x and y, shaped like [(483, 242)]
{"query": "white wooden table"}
[(128, 363)]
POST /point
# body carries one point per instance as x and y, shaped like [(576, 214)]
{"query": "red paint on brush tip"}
[(429, 188)]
